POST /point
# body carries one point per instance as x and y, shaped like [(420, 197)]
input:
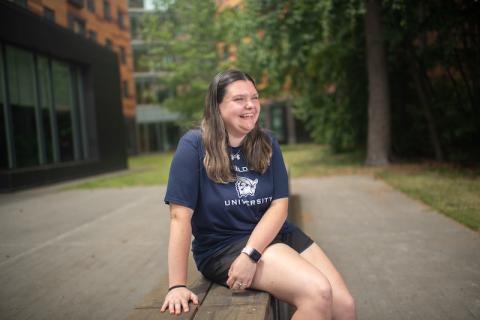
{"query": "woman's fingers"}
[(194, 298), (178, 307), (185, 305), (164, 306), (176, 303)]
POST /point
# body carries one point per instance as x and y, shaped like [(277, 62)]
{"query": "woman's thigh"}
[(284, 273), (315, 255)]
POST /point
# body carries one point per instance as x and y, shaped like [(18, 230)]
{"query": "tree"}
[(378, 145), (182, 37), (310, 53)]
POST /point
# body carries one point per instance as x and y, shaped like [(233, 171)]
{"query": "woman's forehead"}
[(241, 87)]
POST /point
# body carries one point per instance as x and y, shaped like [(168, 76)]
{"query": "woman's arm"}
[(179, 244), (270, 224), (178, 249), (243, 268)]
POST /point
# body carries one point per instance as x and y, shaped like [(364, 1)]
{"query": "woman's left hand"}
[(242, 270)]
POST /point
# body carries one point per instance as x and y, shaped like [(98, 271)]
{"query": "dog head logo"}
[(245, 187)]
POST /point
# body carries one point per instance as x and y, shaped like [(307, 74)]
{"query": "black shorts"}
[(216, 269)]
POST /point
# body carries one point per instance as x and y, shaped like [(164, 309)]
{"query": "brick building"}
[(105, 22), (66, 90)]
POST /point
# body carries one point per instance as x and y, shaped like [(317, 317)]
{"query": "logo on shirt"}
[(245, 186)]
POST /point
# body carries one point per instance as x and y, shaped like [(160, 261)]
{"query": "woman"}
[(228, 186)]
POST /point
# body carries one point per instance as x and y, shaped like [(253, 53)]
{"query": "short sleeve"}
[(183, 180), (280, 176)]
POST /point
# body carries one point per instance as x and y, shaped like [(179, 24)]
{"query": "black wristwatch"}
[(252, 253)]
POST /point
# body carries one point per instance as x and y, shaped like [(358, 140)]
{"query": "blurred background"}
[(92, 86), (367, 98)]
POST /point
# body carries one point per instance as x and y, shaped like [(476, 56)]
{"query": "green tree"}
[(312, 53), (182, 36)]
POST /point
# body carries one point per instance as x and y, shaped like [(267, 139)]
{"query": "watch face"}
[(255, 255), (252, 253)]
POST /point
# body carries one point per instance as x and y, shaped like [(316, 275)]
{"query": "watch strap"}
[(252, 253)]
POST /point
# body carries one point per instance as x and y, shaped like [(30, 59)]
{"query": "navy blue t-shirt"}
[(222, 213)]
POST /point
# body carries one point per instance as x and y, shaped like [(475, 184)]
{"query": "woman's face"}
[(240, 108)]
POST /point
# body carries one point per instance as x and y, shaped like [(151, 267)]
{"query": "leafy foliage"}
[(309, 52), (183, 40), (312, 54)]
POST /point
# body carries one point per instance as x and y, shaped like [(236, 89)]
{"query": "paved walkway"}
[(94, 254), (400, 259)]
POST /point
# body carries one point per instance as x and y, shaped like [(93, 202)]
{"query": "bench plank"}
[(222, 303), (149, 308)]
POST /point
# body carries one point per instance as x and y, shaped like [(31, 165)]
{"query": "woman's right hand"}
[(177, 299)]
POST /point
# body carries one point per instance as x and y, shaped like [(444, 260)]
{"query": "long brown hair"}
[(256, 146)]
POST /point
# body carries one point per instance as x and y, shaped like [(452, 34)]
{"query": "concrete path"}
[(80, 254), (400, 259), (94, 254)]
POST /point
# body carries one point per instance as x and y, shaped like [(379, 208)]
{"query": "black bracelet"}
[(177, 286)]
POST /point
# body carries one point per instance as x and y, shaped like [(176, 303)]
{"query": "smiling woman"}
[(228, 186), (240, 109)]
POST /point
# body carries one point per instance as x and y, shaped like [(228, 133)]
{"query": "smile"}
[(247, 115)]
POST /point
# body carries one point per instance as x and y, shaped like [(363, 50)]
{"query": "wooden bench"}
[(215, 301)]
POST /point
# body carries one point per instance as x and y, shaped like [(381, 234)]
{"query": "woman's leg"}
[(285, 274), (343, 303)]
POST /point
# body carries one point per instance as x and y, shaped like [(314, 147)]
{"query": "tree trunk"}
[(378, 143), (291, 130)]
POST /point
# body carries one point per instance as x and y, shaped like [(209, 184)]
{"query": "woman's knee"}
[(346, 303), (317, 294)]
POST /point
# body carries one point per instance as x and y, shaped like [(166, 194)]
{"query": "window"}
[(121, 22), (49, 14), (108, 43), (92, 35), (106, 10), (123, 55), (135, 4), (40, 114), (64, 108), (21, 89), (125, 88), (77, 3), (76, 24), (91, 5), (134, 27), (4, 148)]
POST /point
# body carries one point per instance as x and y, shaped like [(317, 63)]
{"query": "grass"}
[(303, 160), (452, 191), (146, 170)]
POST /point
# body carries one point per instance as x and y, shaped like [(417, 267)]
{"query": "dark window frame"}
[(92, 35), (107, 10), (109, 43), (91, 5), (77, 25), (125, 92), (49, 14), (123, 55), (121, 19)]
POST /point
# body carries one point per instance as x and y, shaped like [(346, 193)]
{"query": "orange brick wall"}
[(104, 29)]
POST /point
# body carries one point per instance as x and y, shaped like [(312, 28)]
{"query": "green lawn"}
[(147, 170), (452, 191)]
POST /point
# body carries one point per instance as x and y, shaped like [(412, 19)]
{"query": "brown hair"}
[(256, 146)]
